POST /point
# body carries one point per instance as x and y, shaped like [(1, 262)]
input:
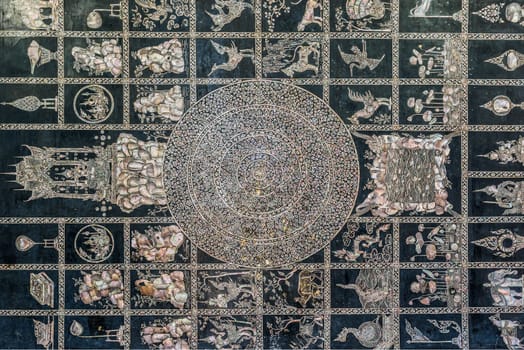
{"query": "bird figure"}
[(359, 58), (371, 104)]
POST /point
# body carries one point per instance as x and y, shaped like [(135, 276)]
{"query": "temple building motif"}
[(127, 174)]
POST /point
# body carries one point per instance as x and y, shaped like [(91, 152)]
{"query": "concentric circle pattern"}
[(260, 173)]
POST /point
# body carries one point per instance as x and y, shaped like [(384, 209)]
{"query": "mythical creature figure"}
[(370, 102), (373, 288), (502, 288), (225, 289), (234, 56), (309, 333), (509, 332), (156, 11), (359, 58), (230, 333), (365, 245), (234, 10), (299, 63), (309, 14)]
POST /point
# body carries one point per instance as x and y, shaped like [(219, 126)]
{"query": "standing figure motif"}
[(98, 58), (166, 105), (161, 59)]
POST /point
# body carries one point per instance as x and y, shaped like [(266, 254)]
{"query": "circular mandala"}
[(93, 104), (94, 243), (260, 173)]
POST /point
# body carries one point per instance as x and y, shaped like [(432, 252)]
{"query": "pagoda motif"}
[(77, 173), (510, 151), (127, 173), (44, 332), (507, 195)]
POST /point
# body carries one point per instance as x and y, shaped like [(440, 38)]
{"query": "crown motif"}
[(491, 13)]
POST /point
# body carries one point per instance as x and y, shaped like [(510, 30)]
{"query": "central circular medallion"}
[(261, 173)]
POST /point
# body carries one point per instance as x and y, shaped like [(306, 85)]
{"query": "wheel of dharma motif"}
[(261, 173)]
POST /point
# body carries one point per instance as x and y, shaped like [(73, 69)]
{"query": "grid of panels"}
[(397, 272)]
